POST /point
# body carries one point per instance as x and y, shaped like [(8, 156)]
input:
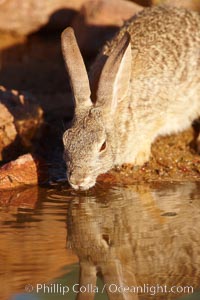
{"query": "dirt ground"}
[(35, 64), (174, 158)]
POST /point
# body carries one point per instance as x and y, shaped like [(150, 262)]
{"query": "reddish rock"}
[(25, 170), (8, 132), (98, 21), (20, 120), (189, 4), (23, 198), (27, 16)]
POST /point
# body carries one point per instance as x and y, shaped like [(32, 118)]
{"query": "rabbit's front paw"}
[(143, 156)]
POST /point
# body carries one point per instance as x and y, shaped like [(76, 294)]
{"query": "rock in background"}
[(20, 120), (27, 16), (99, 20)]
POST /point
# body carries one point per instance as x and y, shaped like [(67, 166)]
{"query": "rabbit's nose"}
[(80, 183)]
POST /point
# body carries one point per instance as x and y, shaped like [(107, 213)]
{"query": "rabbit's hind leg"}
[(143, 155), (149, 137)]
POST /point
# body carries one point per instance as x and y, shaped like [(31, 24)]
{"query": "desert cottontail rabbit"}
[(144, 83)]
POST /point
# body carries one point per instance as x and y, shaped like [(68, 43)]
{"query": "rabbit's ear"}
[(115, 77), (76, 68)]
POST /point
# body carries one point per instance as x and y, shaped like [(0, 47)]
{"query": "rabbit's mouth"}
[(82, 184)]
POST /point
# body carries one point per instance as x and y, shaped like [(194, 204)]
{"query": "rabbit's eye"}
[(103, 146)]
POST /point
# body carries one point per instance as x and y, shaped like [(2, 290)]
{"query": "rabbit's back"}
[(165, 77), (165, 37)]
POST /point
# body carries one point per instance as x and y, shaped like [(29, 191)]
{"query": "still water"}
[(143, 242)]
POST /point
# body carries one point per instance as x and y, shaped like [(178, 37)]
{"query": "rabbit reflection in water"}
[(144, 83)]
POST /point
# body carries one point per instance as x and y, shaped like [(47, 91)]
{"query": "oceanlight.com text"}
[(60, 289)]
